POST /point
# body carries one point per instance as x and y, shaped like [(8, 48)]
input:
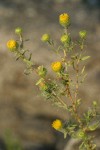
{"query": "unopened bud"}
[(65, 38), (18, 30), (42, 71), (83, 34), (45, 38)]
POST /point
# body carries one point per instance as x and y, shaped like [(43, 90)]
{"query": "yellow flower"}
[(57, 124), (45, 38), (12, 45), (56, 66), (64, 20)]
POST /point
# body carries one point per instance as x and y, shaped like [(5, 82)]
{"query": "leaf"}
[(81, 147), (17, 58), (65, 135), (78, 101), (83, 69), (84, 58), (57, 104), (94, 126), (30, 57), (39, 81), (83, 78), (26, 40), (27, 71)]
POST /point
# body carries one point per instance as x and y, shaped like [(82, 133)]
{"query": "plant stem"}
[(73, 105), (25, 59), (66, 30), (77, 81), (21, 40)]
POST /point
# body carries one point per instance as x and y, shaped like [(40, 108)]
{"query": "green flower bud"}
[(43, 86), (94, 103), (80, 134), (65, 38), (42, 71), (45, 38), (83, 34), (18, 30)]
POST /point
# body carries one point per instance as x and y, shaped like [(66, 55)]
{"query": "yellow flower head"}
[(12, 45), (57, 124), (64, 20), (45, 38), (56, 66)]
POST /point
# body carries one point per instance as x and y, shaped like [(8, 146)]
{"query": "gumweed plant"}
[(63, 90)]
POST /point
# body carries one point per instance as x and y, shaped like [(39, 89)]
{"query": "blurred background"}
[(23, 111)]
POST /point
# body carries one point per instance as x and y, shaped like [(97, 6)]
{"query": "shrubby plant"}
[(63, 90)]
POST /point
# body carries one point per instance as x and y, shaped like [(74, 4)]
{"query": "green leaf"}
[(83, 78), (65, 135), (57, 104), (94, 126), (60, 105), (83, 69), (84, 58), (39, 81), (78, 101)]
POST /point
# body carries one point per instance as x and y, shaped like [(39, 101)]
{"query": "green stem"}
[(77, 81), (21, 40), (66, 30), (73, 105), (25, 59)]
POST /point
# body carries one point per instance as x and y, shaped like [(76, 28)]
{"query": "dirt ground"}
[(22, 109)]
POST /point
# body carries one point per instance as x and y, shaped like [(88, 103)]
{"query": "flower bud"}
[(18, 30), (12, 45), (45, 38), (42, 71), (43, 86), (64, 20), (80, 134), (83, 34), (65, 38), (94, 103), (56, 66)]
